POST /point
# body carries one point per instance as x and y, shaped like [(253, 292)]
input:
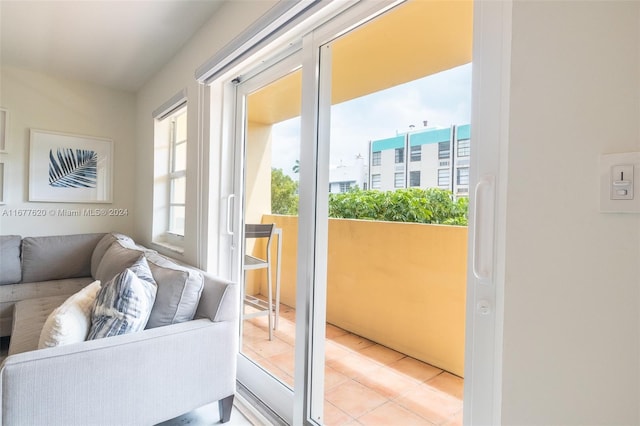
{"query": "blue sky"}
[(442, 99)]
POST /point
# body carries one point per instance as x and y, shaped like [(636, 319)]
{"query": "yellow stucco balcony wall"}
[(402, 285)]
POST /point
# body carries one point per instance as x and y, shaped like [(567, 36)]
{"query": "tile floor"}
[(365, 383)]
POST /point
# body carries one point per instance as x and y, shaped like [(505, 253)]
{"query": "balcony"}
[(395, 321)]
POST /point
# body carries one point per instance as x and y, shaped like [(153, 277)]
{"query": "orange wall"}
[(402, 285)]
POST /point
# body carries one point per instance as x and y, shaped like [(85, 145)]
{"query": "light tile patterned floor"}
[(365, 383)]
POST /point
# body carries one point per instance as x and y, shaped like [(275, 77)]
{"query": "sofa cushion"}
[(71, 321), (102, 247), (179, 290), (10, 272), (120, 255), (57, 257), (28, 318), (123, 304)]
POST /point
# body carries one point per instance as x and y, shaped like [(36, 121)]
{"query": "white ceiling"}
[(115, 43)]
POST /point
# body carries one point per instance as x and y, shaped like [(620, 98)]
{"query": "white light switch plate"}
[(610, 167)]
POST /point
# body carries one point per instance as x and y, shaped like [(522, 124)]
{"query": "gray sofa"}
[(184, 359)]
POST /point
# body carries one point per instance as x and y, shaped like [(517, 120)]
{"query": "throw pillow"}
[(123, 305), (179, 290), (70, 322), (10, 270)]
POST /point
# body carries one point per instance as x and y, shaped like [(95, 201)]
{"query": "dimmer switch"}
[(622, 182)]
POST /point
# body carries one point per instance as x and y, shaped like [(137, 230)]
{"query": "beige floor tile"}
[(268, 348), (417, 370), (353, 342), (332, 331), (332, 378), (382, 354), (353, 365), (333, 416), (354, 398), (448, 383), (392, 414), (334, 351), (435, 406), (284, 361), (387, 383)]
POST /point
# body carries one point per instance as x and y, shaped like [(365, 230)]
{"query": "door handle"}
[(229, 208), (483, 229)]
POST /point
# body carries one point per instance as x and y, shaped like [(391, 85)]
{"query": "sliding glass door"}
[(299, 135), (266, 190)]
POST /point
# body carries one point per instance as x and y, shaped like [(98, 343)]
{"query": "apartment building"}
[(425, 158)]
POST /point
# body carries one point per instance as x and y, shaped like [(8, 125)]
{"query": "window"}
[(399, 155), (398, 181), (463, 176), (444, 150), (376, 158), (443, 177), (416, 153), (170, 171), (345, 186), (414, 178), (464, 149), (375, 181)]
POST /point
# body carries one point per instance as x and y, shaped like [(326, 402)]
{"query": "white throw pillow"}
[(71, 321)]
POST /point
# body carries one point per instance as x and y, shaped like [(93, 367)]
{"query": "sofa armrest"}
[(139, 378), (219, 300)]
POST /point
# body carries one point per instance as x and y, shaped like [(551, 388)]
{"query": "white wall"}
[(231, 19), (44, 102), (572, 305)]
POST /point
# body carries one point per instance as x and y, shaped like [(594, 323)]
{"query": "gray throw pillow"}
[(124, 304), (179, 290), (57, 257), (119, 256), (102, 247), (10, 272)]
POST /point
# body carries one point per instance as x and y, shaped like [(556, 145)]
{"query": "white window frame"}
[(376, 181), (376, 158), (172, 235), (165, 173)]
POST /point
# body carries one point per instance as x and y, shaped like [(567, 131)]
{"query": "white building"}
[(344, 177), (426, 158)]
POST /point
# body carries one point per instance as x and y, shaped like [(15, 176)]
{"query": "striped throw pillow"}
[(124, 303)]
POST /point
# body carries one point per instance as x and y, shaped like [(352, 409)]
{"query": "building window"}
[(414, 178), (444, 150), (375, 181), (416, 153), (443, 177), (464, 148), (463, 176), (399, 155), (398, 181), (170, 171), (376, 158), (345, 186)]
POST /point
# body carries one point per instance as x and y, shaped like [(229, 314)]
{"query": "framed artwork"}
[(2, 183), (67, 168), (4, 123)]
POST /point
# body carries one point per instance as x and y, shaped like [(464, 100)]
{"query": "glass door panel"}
[(396, 272), (269, 119)]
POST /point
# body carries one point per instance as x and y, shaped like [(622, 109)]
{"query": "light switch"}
[(620, 183)]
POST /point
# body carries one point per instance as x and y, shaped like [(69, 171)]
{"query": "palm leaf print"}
[(73, 168)]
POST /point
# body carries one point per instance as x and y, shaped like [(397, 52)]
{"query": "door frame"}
[(490, 124)]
